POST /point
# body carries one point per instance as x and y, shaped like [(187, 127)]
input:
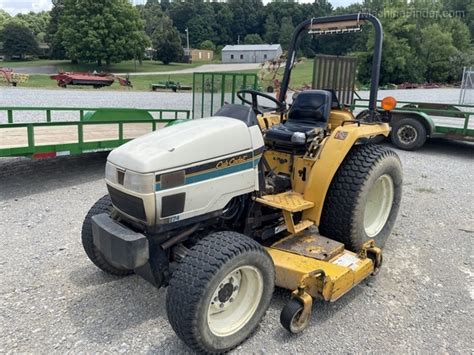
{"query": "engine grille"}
[(128, 204)]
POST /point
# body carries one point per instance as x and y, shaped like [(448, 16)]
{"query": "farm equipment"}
[(224, 208), (97, 80), (11, 78), (170, 85)]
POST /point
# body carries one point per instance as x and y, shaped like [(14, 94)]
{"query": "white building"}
[(250, 53)]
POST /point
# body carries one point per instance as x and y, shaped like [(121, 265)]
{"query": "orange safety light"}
[(389, 103)]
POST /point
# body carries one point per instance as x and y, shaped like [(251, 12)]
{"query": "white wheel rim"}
[(235, 301), (379, 205)]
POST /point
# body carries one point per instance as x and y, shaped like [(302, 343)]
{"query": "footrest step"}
[(287, 201)]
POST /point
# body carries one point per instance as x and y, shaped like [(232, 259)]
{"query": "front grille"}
[(131, 205)]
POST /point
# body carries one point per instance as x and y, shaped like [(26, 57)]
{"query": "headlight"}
[(110, 173), (141, 183)]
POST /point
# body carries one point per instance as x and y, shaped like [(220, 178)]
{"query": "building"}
[(198, 55), (250, 53)]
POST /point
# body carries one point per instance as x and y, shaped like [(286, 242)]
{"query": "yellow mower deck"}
[(317, 267), (301, 254)]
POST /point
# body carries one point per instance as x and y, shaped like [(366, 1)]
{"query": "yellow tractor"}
[(223, 209)]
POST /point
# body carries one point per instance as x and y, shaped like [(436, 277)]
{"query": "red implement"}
[(97, 80)]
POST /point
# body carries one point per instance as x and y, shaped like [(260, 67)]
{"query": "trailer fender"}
[(114, 115), (422, 117)]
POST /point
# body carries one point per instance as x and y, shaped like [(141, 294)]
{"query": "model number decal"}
[(341, 135)]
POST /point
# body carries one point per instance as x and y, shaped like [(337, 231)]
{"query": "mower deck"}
[(298, 256)]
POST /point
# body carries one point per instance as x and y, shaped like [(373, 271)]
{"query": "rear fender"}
[(334, 150)]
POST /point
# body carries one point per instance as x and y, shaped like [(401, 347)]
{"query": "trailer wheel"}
[(220, 292), (408, 134), (364, 197), (103, 205)]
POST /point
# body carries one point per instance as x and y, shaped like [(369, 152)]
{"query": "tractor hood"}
[(183, 144)]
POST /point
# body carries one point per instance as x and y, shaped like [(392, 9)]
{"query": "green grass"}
[(140, 82), (124, 67), (301, 75)]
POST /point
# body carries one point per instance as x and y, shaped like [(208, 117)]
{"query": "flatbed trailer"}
[(414, 122), (88, 130)]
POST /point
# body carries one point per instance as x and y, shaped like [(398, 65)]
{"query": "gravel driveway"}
[(52, 299)]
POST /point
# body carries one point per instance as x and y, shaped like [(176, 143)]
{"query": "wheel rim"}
[(407, 134), (235, 301), (379, 205)]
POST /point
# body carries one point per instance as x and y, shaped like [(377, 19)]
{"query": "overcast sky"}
[(15, 6)]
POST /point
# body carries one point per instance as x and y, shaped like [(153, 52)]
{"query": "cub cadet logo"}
[(229, 162)]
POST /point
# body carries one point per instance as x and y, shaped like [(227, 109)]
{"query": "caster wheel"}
[(290, 317)]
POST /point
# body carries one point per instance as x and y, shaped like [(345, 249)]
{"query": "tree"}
[(272, 30), (209, 45), (4, 18), (108, 30), (253, 38), (151, 13), (37, 22), (286, 32), (167, 42), (53, 38), (18, 40), (438, 49)]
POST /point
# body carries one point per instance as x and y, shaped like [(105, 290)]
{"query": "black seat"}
[(310, 110)]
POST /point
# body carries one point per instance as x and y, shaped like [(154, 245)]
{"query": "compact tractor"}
[(223, 209)]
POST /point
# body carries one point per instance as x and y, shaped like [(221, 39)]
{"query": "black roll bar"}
[(360, 17)]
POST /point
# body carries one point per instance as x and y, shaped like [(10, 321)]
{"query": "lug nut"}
[(221, 305), (231, 300)]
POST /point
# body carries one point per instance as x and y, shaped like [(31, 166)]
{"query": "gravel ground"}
[(52, 299)]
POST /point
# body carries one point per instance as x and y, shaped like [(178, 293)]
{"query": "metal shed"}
[(250, 53)]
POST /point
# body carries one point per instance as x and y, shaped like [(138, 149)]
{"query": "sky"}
[(15, 6)]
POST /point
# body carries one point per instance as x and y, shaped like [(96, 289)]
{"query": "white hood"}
[(183, 144)]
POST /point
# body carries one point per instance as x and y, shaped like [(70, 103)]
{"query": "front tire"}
[(103, 205), (220, 292), (408, 134), (363, 200)]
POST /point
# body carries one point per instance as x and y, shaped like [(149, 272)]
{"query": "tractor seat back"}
[(311, 107), (310, 111)]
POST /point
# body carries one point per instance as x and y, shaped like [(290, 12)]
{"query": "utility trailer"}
[(414, 122), (91, 129)]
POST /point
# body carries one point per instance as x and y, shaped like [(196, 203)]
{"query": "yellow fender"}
[(334, 150)]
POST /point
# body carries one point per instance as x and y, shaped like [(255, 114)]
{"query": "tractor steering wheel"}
[(260, 109)]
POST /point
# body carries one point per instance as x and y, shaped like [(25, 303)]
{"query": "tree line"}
[(425, 40)]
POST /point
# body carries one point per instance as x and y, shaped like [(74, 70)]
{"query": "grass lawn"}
[(124, 67), (140, 82), (301, 75)]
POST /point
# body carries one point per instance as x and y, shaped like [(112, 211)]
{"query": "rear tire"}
[(103, 205), (364, 197), (220, 291), (408, 134)]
